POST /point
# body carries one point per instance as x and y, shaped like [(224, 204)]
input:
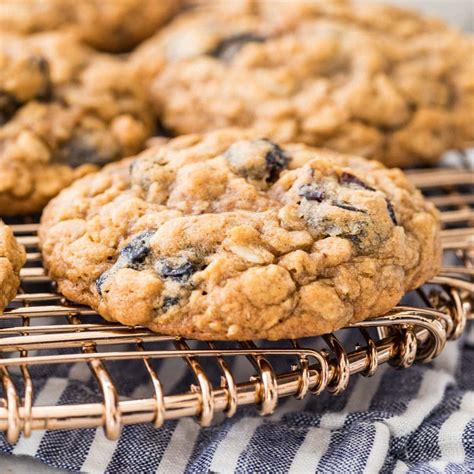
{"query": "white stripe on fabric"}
[(228, 452), (100, 453), (451, 433), (360, 400), (104, 449), (290, 405), (80, 372), (470, 334), (142, 391), (309, 454), (317, 439), (400, 468), (180, 447), (48, 396), (448, 360), (430, 394), (171, 370), (379, 449)]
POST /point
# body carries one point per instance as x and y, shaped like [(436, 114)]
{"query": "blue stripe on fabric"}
[(468, 441), (465, 377), (68, 449), (315, 408), (423, 469), (273, 444), (352, 444), (65, 449), (207, 443), (5, 446), (141, 448), (396, 391), (422, 445)]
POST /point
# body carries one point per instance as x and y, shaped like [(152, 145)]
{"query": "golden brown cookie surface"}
[(370, 80), (65, 110), (224, 236), (113, 26), (12, 258)]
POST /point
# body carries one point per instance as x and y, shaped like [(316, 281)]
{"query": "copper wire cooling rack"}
[(41, 330)]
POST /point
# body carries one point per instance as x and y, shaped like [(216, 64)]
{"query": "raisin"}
[(276, 160), (178, 270), (310, 193), (101, 280), (391, 212), (137, 250), (348, 207), (132, 256), (81, 149), (8, 106), (169, 301), (230, 46), (132, 167), (161, 130), (43, 66), (347, 178), (355, 238)]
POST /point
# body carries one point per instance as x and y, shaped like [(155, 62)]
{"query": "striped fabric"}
[(415, 420)]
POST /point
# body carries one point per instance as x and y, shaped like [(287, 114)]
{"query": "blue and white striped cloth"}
[(415, 420)]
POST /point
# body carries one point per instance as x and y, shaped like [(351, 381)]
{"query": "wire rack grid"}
[(41, 329)]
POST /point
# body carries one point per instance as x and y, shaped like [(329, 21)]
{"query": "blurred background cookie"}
[(361, 78), (65, 110), (113, 26)]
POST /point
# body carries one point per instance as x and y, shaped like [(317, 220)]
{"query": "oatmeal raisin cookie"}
[(225, 236)]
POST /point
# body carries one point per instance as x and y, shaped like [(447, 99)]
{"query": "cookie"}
[(66, 110), (224, 236), (31, 67), (113, 26), (375, 81), (12, 258)]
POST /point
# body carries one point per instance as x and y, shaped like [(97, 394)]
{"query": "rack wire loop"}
[(371, 354), (407, 349), (204, 390), (266, 381), (303, 367), (338, 383), (228, 384), (112, 415), (13, 410), (458, 310), (159, 418)]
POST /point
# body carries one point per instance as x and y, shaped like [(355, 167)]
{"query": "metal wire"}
[(41, 328)]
